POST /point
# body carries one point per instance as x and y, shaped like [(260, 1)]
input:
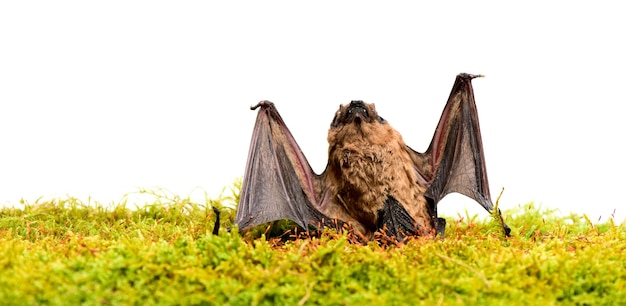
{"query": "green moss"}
[(64, 252)]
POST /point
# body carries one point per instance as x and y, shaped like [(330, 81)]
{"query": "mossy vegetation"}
[(64, 252)]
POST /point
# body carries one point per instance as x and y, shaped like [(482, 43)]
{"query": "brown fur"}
[(368, 161)]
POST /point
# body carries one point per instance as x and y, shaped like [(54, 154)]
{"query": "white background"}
[(103, 98)]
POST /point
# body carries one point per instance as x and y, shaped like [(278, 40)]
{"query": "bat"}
[(373, 182)]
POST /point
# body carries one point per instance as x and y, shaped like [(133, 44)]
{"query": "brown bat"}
[(373, 181)]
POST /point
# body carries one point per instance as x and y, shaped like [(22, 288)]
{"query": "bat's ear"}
[(380, 119), (335, 122), (371, 106)]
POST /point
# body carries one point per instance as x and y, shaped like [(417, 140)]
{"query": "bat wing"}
[(454, 161), (278, 181)]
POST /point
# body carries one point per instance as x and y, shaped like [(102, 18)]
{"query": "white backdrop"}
[(100, 99)]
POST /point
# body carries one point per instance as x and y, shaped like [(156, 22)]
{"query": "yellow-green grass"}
[(64, 252)]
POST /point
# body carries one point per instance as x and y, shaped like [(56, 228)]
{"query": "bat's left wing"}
[(454, 161), (278, 181)]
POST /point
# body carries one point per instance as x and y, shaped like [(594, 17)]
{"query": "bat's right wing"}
[(454, 161), (278, 182)]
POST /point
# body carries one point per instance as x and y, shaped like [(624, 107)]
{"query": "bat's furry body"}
[(367, 163), (373, 181)]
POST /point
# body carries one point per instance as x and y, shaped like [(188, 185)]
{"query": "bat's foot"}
[(440, 227), (216, 226), (507, 230)]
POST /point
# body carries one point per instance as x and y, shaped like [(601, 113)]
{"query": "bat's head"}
[(356, 112), (359, 122)]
